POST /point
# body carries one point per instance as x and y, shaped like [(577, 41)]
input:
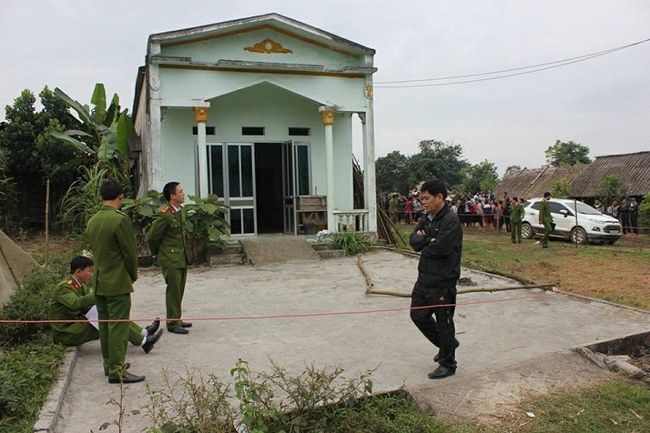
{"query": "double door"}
[(233, 177)]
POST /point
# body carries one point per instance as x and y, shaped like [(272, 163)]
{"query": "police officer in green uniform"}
[(516, 216), (545, 218), (72, 299), (116, 269), (167, 243)]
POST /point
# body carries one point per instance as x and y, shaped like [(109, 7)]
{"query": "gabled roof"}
[(275, 21), (535, 182), (632, 168)]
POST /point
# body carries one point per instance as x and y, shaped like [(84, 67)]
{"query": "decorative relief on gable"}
[(368, 91), (268, 46)]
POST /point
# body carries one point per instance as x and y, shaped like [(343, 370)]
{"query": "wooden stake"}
[(47, 222)]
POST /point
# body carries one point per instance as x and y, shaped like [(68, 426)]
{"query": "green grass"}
[(612, 407)]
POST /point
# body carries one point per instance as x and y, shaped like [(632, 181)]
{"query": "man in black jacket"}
[(439, 239)]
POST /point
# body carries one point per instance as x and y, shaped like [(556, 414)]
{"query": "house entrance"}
[(260, 182)]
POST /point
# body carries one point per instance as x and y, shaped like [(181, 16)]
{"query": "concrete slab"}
[(507, 338)]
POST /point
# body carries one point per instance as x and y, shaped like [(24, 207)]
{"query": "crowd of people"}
[(486, 210), (481, 208)]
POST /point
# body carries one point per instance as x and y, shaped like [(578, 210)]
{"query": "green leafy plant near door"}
[(206, 221), (352, 243)]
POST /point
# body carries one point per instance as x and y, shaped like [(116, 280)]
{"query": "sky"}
[(602, 103)]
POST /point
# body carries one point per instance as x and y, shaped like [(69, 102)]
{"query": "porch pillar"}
[(201, 117), (369, 181), (327, 115)]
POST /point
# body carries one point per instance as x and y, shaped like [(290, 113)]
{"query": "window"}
[(252, 130), (209, 130), (299, 131), (557, 207)]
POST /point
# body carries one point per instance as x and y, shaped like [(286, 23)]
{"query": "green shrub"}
[(29, 302), (26, 374), (353, 243)]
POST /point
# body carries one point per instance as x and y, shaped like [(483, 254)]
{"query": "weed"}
[(352, 243)]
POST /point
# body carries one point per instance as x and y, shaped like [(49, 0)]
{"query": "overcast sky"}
[(603, 103)]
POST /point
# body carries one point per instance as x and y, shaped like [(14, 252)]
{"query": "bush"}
[(644, 214), (26, 374), (29, 302)]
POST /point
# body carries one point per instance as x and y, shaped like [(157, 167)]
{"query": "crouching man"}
[(71, 300)]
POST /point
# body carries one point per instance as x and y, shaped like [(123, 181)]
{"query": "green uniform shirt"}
[(545, 212), (167, 238), (70, 301), (516, 213), (114, 251)]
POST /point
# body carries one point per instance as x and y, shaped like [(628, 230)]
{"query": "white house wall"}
[(178, 149), (191, 84), (265, 106)]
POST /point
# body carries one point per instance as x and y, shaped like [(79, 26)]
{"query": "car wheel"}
[(579, 236), (527, 231)]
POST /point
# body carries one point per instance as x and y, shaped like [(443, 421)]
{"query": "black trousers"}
[(436, 323)]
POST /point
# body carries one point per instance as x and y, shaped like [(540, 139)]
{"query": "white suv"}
[(589, 225)]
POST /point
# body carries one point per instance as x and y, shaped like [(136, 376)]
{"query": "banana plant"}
[(107, 129)]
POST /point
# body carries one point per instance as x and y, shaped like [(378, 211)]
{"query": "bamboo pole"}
[(463, 291), (370, 284), (47, 222)]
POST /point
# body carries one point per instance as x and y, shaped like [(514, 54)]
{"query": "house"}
[(259, 111)]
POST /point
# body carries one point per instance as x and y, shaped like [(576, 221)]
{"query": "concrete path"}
[(507, 347)]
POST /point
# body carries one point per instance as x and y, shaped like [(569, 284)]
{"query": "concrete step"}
[(230, 254), (331, 254)]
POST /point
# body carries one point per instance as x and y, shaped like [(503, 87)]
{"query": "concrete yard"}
[(512, 342)]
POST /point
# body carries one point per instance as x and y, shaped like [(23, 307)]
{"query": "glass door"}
[(232, 177), (288, 188)]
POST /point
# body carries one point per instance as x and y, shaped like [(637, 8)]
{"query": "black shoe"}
[(153, 328), (437, 357), (151, 340), (544, 246), (442, 372), (127, 378), (186, 324), (178, 330), (126, 367)]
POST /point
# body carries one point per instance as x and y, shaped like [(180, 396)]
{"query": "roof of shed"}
[(632, 168), (534, 182)]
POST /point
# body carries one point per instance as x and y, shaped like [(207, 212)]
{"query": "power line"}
[(538, 67)]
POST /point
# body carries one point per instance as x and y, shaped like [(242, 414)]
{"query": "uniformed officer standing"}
[(167, 243), (116, 269), (516, 216), (545, 218), (72, 299)]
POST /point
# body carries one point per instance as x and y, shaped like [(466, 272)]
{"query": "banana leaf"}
[(82, 111), (76, 143), (99, 101)]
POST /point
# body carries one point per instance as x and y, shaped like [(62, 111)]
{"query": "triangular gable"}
[(276, 22)]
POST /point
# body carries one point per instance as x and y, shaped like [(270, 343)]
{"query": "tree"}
[(561, 188), (511, 169), (18, 137), (611, 188), (569, 153), (479, 177), (437, 160), (391, 173)]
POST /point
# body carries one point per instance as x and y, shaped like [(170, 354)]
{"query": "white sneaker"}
[(537, 243)]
